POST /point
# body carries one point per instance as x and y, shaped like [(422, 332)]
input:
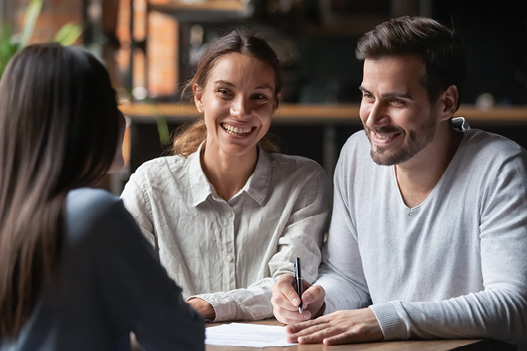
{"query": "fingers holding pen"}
[(285, 300), (313, 300)]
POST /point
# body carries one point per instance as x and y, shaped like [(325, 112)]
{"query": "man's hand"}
[(285, 300), (341, 327), (203, 307)]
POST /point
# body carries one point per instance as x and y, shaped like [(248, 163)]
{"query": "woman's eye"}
[(224, 93)]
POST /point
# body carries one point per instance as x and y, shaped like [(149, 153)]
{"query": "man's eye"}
[(397, 102)]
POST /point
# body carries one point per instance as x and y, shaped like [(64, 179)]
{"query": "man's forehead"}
[(397, 74)]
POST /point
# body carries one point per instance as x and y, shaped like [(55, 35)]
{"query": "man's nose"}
[(376, 116)]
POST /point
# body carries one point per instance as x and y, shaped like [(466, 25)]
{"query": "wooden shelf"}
[(216, 5), (202, 10), (325, 114), (332, 123)]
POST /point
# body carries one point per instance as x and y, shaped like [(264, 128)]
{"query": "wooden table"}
[(413, 345)]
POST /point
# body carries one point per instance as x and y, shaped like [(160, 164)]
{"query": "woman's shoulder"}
[(163, 161), (285, 162), (85, 201), (90, 211), (297, 171), (161, 167)]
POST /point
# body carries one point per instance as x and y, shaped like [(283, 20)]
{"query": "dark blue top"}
[(110, 284)]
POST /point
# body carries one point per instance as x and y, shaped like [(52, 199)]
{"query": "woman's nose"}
[(240, 107)]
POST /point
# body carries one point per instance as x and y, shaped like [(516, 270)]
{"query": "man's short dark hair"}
[(439, 47)]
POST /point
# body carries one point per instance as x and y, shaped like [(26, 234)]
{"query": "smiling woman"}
[(227, 213), (248, 48)]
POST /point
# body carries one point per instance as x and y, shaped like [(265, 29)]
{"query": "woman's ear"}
[(197, 92), (449, 101)]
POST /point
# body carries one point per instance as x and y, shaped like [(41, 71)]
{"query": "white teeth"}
[(383, 136), (236, 130)]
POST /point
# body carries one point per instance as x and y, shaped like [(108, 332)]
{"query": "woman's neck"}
[(228, 174)]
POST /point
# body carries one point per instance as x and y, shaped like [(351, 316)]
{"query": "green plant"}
[(10, 44)]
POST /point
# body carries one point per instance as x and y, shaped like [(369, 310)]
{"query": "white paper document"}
[(244, 334)]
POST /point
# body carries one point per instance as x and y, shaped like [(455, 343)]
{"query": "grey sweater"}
[(453, 267)]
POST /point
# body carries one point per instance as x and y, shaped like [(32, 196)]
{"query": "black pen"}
[(298, 278)]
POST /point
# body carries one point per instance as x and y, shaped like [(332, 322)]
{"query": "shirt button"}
[(230, 214), (230, 258)]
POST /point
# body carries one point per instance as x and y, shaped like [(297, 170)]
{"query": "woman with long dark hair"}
[(75, 271)]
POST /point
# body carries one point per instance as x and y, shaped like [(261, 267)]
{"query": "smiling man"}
[(429, 228)]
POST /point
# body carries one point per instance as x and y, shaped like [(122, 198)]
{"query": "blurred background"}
[(315, 39), (152, 46)]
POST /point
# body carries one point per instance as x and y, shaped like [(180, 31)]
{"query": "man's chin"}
[(381, 158)]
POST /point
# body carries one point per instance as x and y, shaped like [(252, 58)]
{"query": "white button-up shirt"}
[(229, 253)]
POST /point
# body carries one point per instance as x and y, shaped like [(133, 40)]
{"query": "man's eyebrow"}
[(398, 95), (363, 89), (389, 95)]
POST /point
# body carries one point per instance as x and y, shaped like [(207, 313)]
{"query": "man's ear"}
[(197, 92), (449, 99), (276, 103)]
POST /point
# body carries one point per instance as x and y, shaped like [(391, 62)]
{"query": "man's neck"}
[(418, 176)]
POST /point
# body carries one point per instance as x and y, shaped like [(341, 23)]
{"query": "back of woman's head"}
[(237, 41), (58, 116), (58, 131)]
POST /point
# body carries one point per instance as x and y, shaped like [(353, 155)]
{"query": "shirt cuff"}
[(224, 311), (392, 326)]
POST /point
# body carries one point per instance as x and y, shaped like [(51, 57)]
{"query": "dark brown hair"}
[(58, 131), (438, 46), (190, 137)]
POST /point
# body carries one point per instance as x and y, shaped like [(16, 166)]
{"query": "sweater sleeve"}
[(499, 311), (341, 272)]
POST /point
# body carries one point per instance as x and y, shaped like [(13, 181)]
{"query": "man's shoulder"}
[(480, 142), (356, 141), (356, 149)]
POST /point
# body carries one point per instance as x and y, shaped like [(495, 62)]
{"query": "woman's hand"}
[(203, 307), (285, 300)]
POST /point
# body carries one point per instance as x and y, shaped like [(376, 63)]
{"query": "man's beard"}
[(417, 141)]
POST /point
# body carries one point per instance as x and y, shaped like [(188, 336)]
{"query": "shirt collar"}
[(199, 184), (257, 185)]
